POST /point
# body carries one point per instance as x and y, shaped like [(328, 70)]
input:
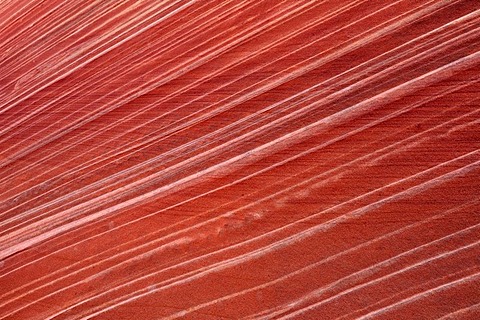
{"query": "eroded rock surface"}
[(239, 159)]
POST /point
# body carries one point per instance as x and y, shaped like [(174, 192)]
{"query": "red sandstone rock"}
[(239, 159)]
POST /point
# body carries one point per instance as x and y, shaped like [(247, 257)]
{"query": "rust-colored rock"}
[(239, 159)]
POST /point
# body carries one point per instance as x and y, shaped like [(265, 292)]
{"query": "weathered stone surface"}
[(239, 159)]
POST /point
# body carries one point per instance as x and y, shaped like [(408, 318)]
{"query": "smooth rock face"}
[(239, 159)]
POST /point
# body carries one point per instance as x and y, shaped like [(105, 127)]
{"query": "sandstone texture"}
[(255, 159)]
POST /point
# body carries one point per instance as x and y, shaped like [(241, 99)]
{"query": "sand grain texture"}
[(234, 159)]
